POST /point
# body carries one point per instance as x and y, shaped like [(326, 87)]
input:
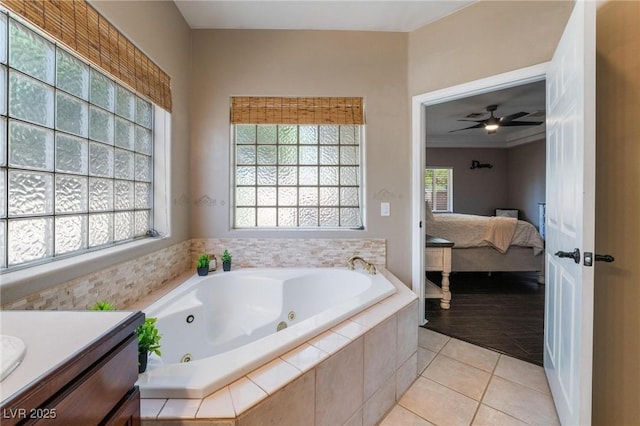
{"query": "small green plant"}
[(101, 305), (226, 256), (148, 337), (203, 261)]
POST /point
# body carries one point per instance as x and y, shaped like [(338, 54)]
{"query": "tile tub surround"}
[(354, 373), (122, 284), (291, 252)]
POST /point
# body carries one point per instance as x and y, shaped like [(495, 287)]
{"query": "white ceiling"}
[(349, 15), (444, 117)]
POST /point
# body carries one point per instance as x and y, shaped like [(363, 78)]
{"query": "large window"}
[(438, 189), (297, 176), (76, 149)]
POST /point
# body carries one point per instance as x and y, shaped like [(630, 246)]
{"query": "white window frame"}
[(449, 188)]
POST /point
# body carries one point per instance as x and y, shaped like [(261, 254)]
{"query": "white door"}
[(568, 337)]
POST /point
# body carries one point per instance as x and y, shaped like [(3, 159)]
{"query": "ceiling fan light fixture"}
[(492, 124)]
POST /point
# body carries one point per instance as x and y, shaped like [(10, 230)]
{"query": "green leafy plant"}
[(203, 261), (226, 256), (101, 305), (148, 337)]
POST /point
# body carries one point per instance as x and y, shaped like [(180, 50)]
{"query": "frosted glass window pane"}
[(143, 113), (328, 155), (3, 141), (267, 175), (123, 195), (72, 154), (3, 90), (123, 226), (308, 175), (287, 175), (102, 91), (308, 134), (3, 243), (143, 140), (287, 196), (30, 147), (288, 154), (100, 229), (245, 196), (125, 103), (308, 155), (287, 217), (328, 175), (308, 217), (348, 175), (308, 196), (124, 133), (3, 193), (329, 135), (350, 217), (349, 197), (30, 193), (142, 168), (266, 155), (349, 135), (30, 100), (267, 134), (30, 239), (71, 233), (245, 217), (267, 196), (329, 217), (100, 125), (100, 195), (142, 223), (3, 42), (142, 195), (288, 134), (123, 164), (349, 155), (100, 160), (266, 216), (246, 155), (71, 194), (30, 53), (72, 75), (329, 196), (245, 175), (71, 114), (245, 134)]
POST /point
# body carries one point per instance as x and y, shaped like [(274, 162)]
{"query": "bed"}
[(489, 244)]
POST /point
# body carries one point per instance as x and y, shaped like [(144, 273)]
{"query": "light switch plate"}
[(385, 209)]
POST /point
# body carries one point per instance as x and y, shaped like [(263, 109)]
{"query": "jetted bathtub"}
[(216, 329)]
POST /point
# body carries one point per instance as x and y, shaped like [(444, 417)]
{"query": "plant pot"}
[(143, 357), (226, 266), (203, 271)]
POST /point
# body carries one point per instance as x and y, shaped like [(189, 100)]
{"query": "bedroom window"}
[(301, 174), (438, 188)]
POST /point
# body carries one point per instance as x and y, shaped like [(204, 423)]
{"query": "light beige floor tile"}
[(400, 416), (463, 378), (473, 355), (522, 372), (431, 340), (438, 404), (521, 402), (487, 416), (425, 356)]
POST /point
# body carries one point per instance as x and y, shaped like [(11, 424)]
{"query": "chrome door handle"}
[(575, 254)]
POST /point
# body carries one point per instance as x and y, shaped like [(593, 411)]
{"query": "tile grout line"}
[(484, 393)]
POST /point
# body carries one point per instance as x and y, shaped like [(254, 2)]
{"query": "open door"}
[(568, 337)]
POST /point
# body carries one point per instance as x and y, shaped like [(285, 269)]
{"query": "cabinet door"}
[(127, 413)]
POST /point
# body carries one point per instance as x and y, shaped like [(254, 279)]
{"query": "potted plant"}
[(101, 305), (203, 264), (226, 260), (148, 342)]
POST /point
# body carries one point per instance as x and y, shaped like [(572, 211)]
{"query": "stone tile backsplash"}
[(129, 281)]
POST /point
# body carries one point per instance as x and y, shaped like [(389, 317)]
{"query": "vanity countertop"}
[(52, 338)]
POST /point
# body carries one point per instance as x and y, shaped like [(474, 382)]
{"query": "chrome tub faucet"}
[(367, 266)]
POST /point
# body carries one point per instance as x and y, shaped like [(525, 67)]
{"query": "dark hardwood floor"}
[(503, 312)]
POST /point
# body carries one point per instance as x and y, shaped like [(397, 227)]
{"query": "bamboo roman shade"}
[(275, 110), (81, 28)]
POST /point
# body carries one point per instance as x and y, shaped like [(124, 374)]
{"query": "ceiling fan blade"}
[(474, 121), (521, 123), (508, 118), (477, 126)]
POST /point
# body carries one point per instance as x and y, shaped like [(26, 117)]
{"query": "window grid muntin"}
[(6, 67), (356, 131)]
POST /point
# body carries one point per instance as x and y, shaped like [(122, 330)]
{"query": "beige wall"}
[(304, 63), (616, 361), (526, 179)]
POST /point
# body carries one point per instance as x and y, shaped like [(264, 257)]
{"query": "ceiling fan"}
[(492, 124)]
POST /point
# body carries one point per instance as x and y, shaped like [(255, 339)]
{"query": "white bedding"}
[(467, 230)]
